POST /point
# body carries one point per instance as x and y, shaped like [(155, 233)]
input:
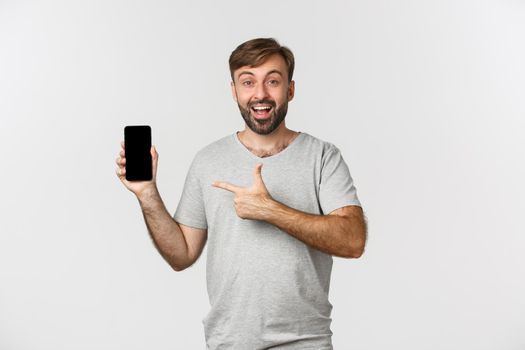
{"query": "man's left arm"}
[(342, 232)]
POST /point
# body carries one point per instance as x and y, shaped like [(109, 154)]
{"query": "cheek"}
[(243, 98), (281, 98)]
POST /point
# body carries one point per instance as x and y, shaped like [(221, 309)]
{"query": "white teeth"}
[(261, 108)]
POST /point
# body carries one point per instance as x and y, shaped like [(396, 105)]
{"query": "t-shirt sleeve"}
[(190, 210), (336, 189)]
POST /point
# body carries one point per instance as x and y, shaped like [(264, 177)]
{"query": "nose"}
[(260, 92)]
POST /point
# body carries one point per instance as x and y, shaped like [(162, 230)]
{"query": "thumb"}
[(257, 175), (154, 161)]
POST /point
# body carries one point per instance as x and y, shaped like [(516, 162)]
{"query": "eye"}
[(273, 82), (247, 83)]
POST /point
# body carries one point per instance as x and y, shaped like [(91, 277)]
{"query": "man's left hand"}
[(250, 202)]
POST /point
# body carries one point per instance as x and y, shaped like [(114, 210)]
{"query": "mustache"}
[(267, 102)]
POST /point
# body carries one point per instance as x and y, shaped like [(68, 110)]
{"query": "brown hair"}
[(254, 52)]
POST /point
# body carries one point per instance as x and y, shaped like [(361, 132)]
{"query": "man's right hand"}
[(169, 236), (137, 187)]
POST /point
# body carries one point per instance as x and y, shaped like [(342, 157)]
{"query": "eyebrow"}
[(275, 71), (250, 73), (244, 72)]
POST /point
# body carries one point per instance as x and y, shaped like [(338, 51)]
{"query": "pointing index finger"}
[(226, 186)]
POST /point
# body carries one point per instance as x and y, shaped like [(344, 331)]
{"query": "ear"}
[(291, 90), (234, 93)]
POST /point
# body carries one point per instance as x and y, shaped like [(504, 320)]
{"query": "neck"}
[(267, 145)]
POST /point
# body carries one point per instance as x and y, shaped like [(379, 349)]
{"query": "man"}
[(276, 205)]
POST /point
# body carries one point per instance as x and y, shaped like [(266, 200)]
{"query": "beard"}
[(263, 126)]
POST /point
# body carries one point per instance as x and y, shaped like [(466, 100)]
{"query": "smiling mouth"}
[(262, 111)]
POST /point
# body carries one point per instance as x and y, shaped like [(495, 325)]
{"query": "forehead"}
[(274, 63)]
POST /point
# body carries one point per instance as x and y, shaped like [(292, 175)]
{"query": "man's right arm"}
[(163, 230), (178, 244)]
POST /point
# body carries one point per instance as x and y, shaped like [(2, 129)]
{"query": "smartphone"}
[(137, 145)]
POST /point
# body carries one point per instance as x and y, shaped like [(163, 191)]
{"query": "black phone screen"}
[(137, 145)]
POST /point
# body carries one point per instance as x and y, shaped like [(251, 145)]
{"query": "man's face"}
[(262, 94)]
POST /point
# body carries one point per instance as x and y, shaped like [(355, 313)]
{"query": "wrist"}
[(271, 209), (147, 193)]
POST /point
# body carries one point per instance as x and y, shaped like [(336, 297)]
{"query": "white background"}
[(424, 98)]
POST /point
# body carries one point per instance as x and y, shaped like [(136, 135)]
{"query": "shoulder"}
[(319, 146), (213, 151)]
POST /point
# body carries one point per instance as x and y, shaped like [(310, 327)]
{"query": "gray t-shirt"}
[(266, 288)]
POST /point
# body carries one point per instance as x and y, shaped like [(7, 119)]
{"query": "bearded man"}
[(274, 206)]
